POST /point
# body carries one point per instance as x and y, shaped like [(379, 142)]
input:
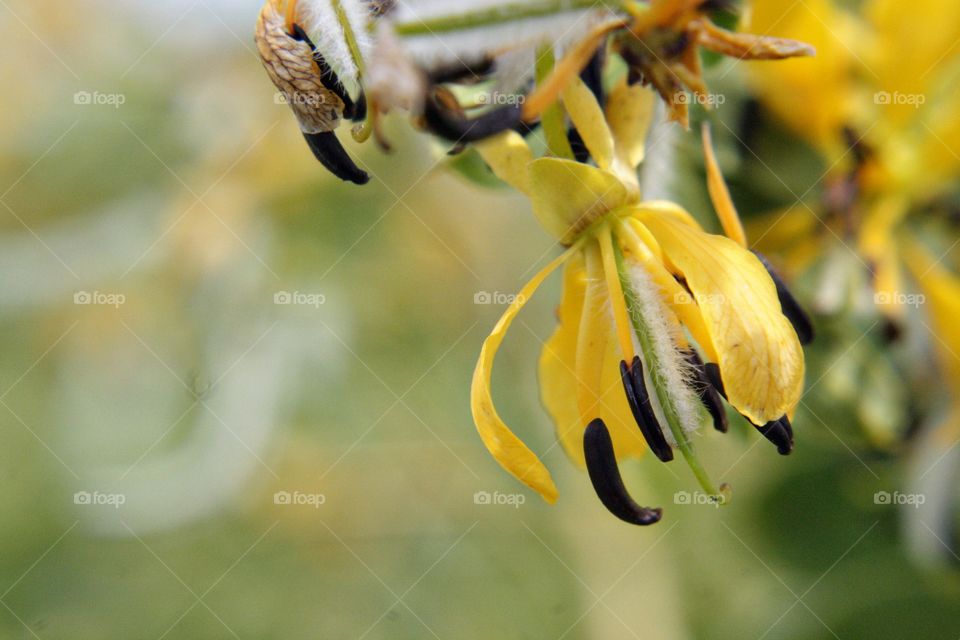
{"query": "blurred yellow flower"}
[(636, 275), (879, 103)]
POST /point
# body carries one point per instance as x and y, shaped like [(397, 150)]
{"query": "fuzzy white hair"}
[(319, 19), (674, 371), (434, 50)]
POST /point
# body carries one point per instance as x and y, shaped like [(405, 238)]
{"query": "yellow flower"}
[(879, 104), (639, 278)]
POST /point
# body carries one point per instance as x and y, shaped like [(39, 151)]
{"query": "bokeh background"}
[(194, 317)]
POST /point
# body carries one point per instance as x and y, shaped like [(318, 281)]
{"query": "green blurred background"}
[(158, 210)]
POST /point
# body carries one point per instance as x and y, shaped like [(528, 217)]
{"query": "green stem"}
[(552, 119), (349, 36), (494, 15), (642, 328)]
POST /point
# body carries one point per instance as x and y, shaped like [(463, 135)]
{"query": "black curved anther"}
[(791, 308), (327, 149), (639, 401), (780, 433), (453, 126), (606, 479), (709, 395), (712, 371)]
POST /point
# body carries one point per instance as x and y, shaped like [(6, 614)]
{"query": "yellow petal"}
[(941, 303), (558, 378), (814, 96), (512, 454), (558, 363), (877, 244), (587, 116), (593, 337), (635, 238), (759, 354), (508, 155), (567, 196), (629, 112)]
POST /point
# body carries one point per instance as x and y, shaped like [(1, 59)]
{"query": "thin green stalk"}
[(494, 15), (349, 36), (667, 403), (553, 120)]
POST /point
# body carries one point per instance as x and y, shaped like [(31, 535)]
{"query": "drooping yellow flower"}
[(646, 291)]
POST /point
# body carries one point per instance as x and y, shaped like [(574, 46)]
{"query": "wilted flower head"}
[(648, 298)]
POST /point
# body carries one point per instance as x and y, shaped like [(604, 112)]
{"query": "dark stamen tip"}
[(327, 149), (709, 396), (607, 482), (446, 123), (791, 308), (712, 370), (642, 410), (780, 433)]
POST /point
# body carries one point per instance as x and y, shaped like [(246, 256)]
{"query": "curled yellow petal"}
[(587, 117), (758, 352), (512, 454), (567, 196), (507, 154)]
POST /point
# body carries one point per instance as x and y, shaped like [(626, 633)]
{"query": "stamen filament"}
[(666, 400), (617, 302)]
